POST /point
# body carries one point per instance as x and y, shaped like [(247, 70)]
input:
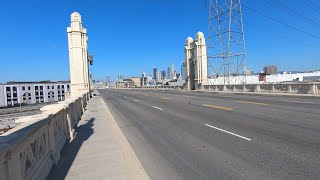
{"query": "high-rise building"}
[(163, 74), (155, 70), (172, 72), (183, 72), (159, 78), (178, 75), (120, 77), (270, 69), (168, 73)]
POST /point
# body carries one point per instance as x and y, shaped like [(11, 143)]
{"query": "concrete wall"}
[(30, 150)]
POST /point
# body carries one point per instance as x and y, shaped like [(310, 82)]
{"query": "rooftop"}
[(36, 82)]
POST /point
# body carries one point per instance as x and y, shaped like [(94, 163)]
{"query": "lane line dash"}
[(299, 102), (248, 102), (166, 98), (217, 107), (248, 139), (157, 108)]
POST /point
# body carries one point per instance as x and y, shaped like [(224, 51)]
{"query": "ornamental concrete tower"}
[(78, 56), (200, 53), (188, 64), (196, 62)]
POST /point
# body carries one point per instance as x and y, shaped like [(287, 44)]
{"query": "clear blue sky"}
[(131, 36)]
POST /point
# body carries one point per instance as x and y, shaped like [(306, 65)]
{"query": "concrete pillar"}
[(258, 89), (78, 48), (289, 88), (14, 166), (188, 61), (196, 62), (200, 87), (312, 89), (224, 88), (244, 88), (273, 89), (200, 53)]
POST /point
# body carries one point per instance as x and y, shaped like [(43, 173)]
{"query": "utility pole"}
[(226, 42)]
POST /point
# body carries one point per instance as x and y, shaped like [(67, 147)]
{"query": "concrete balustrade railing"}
[(293, 88), (30, 150)]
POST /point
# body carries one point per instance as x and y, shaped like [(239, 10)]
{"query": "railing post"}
[(273, 89), (209, 88), (312, 89), (258, 88), (244, 88), (289, 88), (233, 88), (224, 88), (14, 166)]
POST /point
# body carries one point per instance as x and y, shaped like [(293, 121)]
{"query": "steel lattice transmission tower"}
[(226, 43)]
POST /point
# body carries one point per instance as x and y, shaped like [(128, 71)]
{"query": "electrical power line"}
[(313, 4), (293, 12), (281, 23)]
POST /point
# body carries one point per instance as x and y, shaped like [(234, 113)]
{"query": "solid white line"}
[(125, 97), (299, 102), (157, 108), (228, 132), (135, 100)]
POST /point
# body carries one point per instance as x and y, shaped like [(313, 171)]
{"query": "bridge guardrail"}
[(292, 88), (30, 150)]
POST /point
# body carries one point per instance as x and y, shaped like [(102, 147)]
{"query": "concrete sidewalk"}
[(99, 150)]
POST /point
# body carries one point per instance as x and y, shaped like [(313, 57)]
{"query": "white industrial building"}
[(1, 96), (15, 93), (275, 78)]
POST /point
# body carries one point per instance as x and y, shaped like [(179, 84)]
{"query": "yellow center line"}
[(248, 102), (217, 107), (145, 94), (165, 98)]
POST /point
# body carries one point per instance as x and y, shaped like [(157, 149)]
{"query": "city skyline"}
[(38, 52)]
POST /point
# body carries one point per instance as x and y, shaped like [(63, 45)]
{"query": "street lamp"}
[(90, 60)]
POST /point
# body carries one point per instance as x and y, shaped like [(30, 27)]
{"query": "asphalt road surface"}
[(219, 136)]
